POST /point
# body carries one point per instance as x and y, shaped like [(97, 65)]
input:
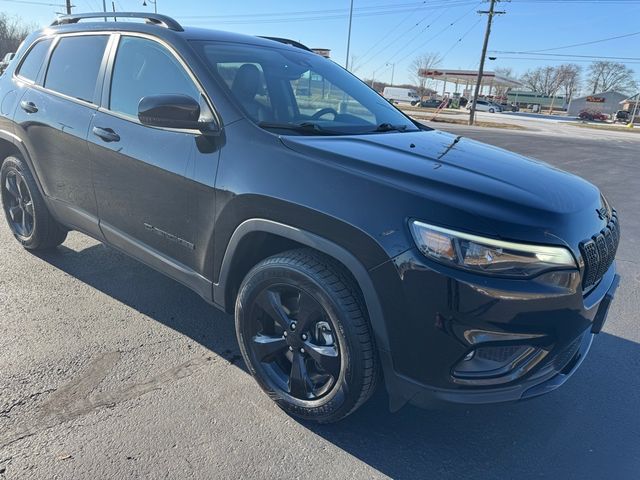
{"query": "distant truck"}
[(401, 95)]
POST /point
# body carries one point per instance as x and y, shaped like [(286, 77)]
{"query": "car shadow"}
[(589, 428)]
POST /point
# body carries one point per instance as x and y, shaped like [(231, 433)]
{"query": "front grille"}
[(599, 252)]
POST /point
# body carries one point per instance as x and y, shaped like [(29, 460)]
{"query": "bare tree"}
[(543, 80), (12, 33), (605, 76), (570, 75), (426, 61), (507, 72)]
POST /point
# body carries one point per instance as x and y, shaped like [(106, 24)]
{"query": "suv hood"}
[(504, 191)]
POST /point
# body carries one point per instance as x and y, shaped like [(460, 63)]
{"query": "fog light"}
[(494, 362)]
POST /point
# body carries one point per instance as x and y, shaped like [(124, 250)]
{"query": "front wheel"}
[(305, 336)]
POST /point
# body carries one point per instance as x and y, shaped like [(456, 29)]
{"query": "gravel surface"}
[(110, 370)]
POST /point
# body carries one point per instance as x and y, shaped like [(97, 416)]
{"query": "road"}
[(110, 370)]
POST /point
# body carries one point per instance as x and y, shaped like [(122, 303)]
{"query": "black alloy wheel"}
[(18, 204), (292, 337), (304, 333)]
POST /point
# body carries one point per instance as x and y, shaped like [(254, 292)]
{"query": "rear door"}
[(53, 118), (140, 173)]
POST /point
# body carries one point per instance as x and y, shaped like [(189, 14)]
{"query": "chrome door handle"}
[(28, 107), (106, 134)]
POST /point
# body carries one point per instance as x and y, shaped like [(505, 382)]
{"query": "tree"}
[(501, 90), (569, 74), (426, 61), (543, 80), (605, 76), (12, 33)]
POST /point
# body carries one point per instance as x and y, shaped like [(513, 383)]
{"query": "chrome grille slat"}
[(599, 252)]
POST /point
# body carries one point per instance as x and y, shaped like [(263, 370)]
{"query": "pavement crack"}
[(5, 413)]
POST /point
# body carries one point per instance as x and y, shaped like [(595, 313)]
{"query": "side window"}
[(33, 60), (74, 66), (143, 67)]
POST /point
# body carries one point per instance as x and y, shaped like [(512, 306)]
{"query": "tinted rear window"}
[(34, 60), (75, 62)]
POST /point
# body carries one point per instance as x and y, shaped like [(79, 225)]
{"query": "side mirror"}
[(172, 111)]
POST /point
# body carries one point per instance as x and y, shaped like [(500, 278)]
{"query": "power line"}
[(591, 42), (393, 30), (565, 55), (433, 37), (457, 42), (33, 2), (389, 44)]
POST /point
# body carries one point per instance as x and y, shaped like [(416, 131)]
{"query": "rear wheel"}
[(304, 334), (27, 214)]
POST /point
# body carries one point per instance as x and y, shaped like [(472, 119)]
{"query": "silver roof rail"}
[(152, 18)]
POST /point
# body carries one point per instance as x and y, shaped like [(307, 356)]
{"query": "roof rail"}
[(151, 18), (286, 41)]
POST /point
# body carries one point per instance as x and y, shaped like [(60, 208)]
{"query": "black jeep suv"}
[(353, 244)]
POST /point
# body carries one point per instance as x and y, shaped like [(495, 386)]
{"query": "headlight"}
[(487, 255)]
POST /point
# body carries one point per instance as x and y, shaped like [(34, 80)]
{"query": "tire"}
[(491, 110), (296, 282), (25, 210)]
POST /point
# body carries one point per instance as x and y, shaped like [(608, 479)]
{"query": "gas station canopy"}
[(469, 77)]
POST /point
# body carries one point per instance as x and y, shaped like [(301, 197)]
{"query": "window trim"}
[(45, 63), (108, 79)]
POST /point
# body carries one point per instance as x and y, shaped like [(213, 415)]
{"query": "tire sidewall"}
[(338, 399), (14, 164)]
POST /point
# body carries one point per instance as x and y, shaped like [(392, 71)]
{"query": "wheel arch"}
[(11, 144), (241, 256)]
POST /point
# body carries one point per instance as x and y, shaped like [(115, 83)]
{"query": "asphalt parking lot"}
[(110, 370)]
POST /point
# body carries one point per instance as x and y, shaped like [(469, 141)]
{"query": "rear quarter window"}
[(74, 66), (33, 60)]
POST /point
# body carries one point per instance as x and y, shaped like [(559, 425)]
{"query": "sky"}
[(386, 32)]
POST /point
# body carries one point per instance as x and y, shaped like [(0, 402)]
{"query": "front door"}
[(144, 197)]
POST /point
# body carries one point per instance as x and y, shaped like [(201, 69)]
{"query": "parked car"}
[(622, 116), (593, 116), (4, 63), (431, 103), (484, 106), (401, 95), (351, 243)]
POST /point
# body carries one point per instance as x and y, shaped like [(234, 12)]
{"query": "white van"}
[(401, 95)]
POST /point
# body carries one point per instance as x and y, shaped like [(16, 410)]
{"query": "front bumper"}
[(446, 314)]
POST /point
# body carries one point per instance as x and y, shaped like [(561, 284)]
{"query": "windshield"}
[(299, 92)]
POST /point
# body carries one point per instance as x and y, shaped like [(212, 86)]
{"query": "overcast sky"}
[(397, 31)]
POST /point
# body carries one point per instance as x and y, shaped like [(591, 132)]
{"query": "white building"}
[(606, 102)]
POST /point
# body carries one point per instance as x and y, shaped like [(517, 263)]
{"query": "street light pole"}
[(346, 63), (155, 5), (393, 71)]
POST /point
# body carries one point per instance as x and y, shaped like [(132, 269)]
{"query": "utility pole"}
[(490, 13), (393, 71), (635, 110), (68, 7), (346, 63)]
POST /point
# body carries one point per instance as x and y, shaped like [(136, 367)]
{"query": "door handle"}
[(106, 134), (28, 107)]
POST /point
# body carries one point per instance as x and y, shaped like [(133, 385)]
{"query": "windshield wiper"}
[(304, 127), (388, 127)]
